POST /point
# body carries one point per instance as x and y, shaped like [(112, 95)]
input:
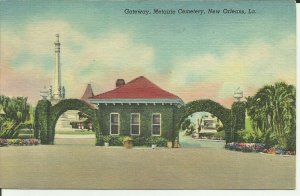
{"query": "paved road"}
[(89, 167), (185, 141), (189, 142)]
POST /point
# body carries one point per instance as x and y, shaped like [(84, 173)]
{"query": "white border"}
[(15, 192)]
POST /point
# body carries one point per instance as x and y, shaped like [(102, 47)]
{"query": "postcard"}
[(148, 94)]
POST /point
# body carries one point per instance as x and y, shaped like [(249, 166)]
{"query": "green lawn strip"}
[(248, 125), (75, 132)]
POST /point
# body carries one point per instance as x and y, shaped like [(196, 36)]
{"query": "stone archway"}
[(47, 116), (210, 106)]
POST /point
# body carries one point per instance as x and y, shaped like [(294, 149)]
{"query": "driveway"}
[(189, 142)]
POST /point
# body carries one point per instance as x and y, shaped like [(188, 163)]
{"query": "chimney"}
[(120, 82)]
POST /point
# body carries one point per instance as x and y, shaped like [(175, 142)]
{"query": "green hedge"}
[(238, 115), (72, 104), (41, 121), (47, 115), (159, 141), (206, 105)]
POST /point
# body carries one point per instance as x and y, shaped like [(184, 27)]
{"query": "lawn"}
[(77, 132), (248, 124)]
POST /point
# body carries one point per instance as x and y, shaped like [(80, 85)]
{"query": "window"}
[(135, 124), (114, 123), (156, 124)]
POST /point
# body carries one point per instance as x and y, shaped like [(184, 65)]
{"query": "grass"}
[(25, 136), (26, 131), (248, 124), (77, 132)]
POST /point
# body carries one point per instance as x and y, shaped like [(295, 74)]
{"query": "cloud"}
[(100, 60), (247, 66), (27, 61)]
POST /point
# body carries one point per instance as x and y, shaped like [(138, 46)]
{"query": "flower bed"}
[(19, 142), (279, 151), (245, 147), (257, 147), (137, 140), (3, 142)]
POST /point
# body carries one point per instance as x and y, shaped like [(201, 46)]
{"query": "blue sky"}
[(193, 56)]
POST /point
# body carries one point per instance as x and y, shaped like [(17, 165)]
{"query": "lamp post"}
[(44, 93), (238, 94)]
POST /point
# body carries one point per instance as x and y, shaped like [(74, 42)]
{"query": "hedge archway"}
[(47, 116), (206, 105)]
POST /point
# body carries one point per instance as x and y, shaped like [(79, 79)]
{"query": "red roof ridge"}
[(134, 89), (135, 80)]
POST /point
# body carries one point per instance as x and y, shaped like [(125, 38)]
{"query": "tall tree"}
[(273, 111), (17, 111)]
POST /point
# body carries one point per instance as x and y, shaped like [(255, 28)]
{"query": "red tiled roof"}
[(139, 88)]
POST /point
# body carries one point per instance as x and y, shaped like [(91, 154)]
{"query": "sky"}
[(193, 56)]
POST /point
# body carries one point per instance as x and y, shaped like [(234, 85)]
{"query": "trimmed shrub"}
[(116, 140), (41, 121), (139, 141), (100, 141), (106, 138), (159, 141)]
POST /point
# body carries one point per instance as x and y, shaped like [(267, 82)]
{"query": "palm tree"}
[(273, 111), (17, 111)]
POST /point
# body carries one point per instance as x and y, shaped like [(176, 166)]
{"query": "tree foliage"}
[(41, 121), (273, 112), (17, 112), (238, 111), (186, 123)]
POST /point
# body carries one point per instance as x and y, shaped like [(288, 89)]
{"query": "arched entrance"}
[(210, 106), (47, 116), (202, 129)]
